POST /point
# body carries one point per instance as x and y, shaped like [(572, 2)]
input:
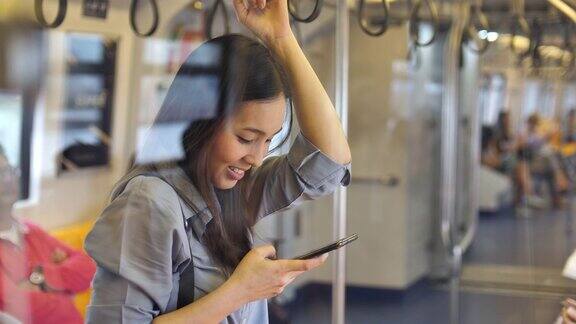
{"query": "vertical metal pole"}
[(339, 210), (449, 150)]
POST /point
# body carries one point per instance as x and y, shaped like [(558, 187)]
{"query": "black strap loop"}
[(478, 21), (39, 11), (155, 18), (569, 48), (413, 57), (365, 25), (535, 43), (415, 22), (518, 21), (212, 14), (310, 18)]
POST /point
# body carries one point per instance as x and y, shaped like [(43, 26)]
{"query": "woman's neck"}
[(6, 219)]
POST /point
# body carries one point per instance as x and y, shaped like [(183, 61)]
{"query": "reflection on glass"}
[(39, 275), (87, 116)]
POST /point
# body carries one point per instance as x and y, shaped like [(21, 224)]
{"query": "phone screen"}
[(325, 249)]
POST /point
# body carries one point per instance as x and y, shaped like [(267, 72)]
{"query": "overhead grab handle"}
[(569, 48), (292, 8), (519, 23), (536, 42), (155, 18), (477, 22), (368, 27), (39, 11), (210, 18), (414, 22)]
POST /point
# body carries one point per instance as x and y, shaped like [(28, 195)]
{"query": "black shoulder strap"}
[(186, 283)]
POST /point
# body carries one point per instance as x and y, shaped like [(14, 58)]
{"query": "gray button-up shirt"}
[(141, 246)]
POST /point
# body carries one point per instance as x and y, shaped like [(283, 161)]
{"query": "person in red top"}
[(39, 275)]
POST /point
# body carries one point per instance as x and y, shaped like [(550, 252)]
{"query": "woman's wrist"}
[(211, 308), (235, 291), (281, 45)]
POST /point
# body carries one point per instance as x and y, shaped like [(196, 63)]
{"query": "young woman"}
[(175, 243)]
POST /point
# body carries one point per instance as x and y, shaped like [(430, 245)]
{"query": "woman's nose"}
[(256, 156)]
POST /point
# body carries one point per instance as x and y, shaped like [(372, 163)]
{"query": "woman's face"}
[(244, 140)]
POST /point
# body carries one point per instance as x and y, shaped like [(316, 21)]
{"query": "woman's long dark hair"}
[(215, 79)]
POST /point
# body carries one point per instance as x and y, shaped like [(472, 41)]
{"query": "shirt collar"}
[(188, 192), (14, 233), (197, 214)]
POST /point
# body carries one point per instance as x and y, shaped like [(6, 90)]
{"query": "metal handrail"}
[(414, 22), (448, 139), (342, 61), (212, 14), (449, 148), (310, 18), (155, 19), (39, 11), (365, 25), (388, 181), (565, 9)]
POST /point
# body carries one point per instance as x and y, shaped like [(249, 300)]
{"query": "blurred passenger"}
[(569, 131), (502, 157), (544, 160), (38, 274), (504, 134)]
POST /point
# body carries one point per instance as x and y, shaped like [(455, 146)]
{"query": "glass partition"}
[(461, 128)]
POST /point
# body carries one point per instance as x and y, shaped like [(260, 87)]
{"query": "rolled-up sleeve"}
[(305, 173), (136, 244)]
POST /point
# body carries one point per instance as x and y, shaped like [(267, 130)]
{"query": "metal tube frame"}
[(449, 150), (339, 209)]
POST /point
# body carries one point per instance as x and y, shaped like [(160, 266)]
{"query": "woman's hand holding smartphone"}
[(259, 275)]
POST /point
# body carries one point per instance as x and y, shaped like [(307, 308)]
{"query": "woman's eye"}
[(244, 140)]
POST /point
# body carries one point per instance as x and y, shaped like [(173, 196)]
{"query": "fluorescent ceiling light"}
[(492, 36), (483, 34)]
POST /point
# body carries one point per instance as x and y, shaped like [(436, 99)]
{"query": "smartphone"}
[(325, 249)]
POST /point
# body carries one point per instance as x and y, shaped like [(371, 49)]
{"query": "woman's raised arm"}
[(317, 118)]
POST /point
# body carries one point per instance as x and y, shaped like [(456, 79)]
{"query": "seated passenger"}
[(510, 164), (543, 158), (569, 127), (38, 274), (504, 135)]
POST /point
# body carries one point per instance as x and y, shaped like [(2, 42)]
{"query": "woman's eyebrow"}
[(260, 132)]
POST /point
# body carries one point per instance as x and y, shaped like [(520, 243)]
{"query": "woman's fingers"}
[(301, 265), (257, 4), (241, 10)]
